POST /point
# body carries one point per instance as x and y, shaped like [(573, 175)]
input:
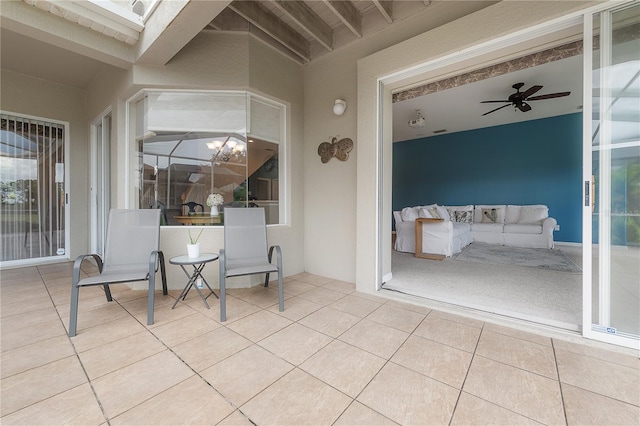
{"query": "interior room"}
[(451, 149)]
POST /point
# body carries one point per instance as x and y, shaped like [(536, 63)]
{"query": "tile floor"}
[(333, 356)]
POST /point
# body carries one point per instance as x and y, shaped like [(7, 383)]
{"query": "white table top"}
[(186, 260)]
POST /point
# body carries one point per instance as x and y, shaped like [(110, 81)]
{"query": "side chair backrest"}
[(131, 237), (245, 235)]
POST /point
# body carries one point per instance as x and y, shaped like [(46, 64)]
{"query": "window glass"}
[(194, 144)]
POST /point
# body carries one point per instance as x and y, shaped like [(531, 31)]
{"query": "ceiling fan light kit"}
[(519, 99), (419, 121)]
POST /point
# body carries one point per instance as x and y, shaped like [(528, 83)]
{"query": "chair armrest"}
[(278, 256), (78, 264), (548, 226)]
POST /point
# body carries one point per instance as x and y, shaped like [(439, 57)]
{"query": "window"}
[(192, 144)]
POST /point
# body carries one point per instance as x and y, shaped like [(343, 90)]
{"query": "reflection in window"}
[(193, 144)]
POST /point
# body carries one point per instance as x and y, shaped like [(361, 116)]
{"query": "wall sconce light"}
[(339, 107)]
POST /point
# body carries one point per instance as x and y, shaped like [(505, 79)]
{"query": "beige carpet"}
[(534, 294)]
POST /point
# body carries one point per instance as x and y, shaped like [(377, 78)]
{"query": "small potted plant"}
[(193, 248), (213, 201)]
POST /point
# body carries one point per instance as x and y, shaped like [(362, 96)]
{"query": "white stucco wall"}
[(40, 98)]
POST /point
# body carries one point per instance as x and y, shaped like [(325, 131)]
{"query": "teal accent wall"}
[(533, 162)]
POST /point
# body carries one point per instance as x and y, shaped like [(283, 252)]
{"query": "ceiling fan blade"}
[(494, 110), (549, 96), (524, 107), (530, 91), (487, 102)]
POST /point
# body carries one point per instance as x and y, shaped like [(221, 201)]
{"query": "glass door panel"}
[(32, 185), (615, 178)]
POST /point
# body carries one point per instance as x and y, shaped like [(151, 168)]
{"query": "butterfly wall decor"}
[(337, 148)]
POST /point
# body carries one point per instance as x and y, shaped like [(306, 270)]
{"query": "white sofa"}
[(509, 225)]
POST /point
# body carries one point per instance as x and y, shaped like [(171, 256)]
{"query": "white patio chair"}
[(245, 251), (132, 253)]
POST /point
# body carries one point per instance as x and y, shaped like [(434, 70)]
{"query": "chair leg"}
[(163, 274), (280, 292), (266, 280), (151, 299), (107, 292), (73, 313), (223, 287)]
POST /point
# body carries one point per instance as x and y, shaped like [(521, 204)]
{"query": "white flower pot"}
[(214, 211), (193, 250)]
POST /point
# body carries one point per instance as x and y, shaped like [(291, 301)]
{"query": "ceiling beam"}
[(262, 18), (308, 20), (348, 14), (386, 9)]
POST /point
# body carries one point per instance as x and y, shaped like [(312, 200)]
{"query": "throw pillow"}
[(489, 215), (462, 216), (444, 214), (409, 214), (435, 213), (533, 215), (425, 213)]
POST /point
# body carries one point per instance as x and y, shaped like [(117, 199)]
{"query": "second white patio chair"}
[(245, 251), (132, 253)]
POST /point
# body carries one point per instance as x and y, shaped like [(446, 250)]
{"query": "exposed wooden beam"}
[(348, 14), (262, 18), (308, 20), (386, 9)]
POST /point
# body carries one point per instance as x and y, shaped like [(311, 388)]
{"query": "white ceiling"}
[(459, 109)]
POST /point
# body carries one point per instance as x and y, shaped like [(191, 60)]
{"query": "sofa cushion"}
[(479, 211), (487, 227), (444, 213), (397, 216), (460, 228), (512, 214), (520, 228), (533, 214)]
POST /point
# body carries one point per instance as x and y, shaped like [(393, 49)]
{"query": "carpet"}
[(549, 259)]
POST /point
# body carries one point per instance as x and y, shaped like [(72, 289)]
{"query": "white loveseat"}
[(459, 226)]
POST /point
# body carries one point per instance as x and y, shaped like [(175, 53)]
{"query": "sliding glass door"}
[(612, 177), (32, 184)]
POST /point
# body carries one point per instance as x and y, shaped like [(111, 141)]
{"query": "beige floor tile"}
[(441, 362), (375, 338), (163, 313), (256, 327), (322, 295), (360, 415), (356, 305), (236, 309), (588, 408), (627, 360), (15, 307), (341, 286), (296, 288), (296, 308), (450, 333), (313, 279), (523, 335), (258, 295), (34, 355), (602, 377), (456, 318), (77, 406), (330, 321), (40, 383), (16, 338), (519, 353), (297, 399), (473, 411), (525, 393), (191, 402), (236, 419), (115, 355), (295, 343), (184, 329), (245, 374), (110, 331), (85, 305), (409, 398), (408, 306), (95, 315), (127, 387), (210, 348), (344, 367), (396, 317), (27, 319)]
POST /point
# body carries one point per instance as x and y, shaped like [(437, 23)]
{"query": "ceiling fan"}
[(518, 99)]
